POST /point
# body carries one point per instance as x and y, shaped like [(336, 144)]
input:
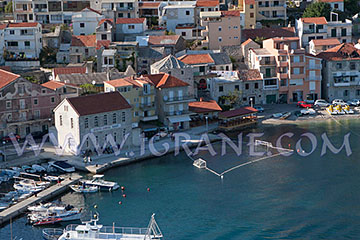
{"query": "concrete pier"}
[(46, 194)]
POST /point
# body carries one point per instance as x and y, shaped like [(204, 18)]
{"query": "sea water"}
[(313, 197)]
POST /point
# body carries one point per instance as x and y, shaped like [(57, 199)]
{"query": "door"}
[(295, 97), (22, 103), (270, 99), (180, 95)]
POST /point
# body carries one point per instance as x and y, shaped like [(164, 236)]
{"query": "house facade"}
[(82, 47), (317, 46), (341, 78), (101, 116), (25, 107), (177, 13), (86, 21)]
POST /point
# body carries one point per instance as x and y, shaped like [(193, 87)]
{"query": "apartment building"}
[(178, 13), (82, 47), (47, 11), (341, 68), (100, 115), (86, 21), (335, 4), (222, 28), (270, 10), (25, 107), (248, 11), (105, 30), (297, 74), (319, 28), (119, 8), (139, 93), (127, 26), (172, 101)]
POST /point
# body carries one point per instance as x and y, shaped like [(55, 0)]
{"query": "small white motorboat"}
[(99, 182), (84, 188), (28, 169), (38, 168), (62, 166), (53, 178)]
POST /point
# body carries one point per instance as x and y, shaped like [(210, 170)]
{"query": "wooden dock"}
[(46, 194)]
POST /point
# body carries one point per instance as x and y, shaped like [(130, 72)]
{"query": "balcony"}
[(151, 92), (297, 64), (178, 98), (315, 66), (314, 78), (147, 106), (148, 118), (177, 113), (40, 10)]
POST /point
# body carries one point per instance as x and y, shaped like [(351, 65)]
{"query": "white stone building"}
[(100, 115), (86, 21)]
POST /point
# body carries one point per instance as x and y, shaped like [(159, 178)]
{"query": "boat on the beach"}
[(84, 188), (62, 166), (99, 182), (92, 231)]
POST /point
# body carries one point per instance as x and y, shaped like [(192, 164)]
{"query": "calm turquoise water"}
[(279, 198)]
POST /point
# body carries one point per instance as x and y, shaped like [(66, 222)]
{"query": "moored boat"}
[(84, 188), (103, 185), (62, 166)]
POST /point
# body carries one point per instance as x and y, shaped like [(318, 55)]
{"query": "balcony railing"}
[(270, 87), (177, 113), (179, 98), (313, 78), (147, 106)]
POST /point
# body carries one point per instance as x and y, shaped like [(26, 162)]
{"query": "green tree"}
[(318, 9), (32, 79), (88, 88), (259, 40), (9, 7), (352, 7)]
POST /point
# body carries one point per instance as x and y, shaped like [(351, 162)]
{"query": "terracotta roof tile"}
[(93, 10), (103, 43), (163, 40), (130, 20), (207, 3), (7, 77), (53, 85), (196, 59), (249, 2), (344, 51), (3, 26), (230, 13), (83, 41), (68, 70), (164, 80), (247, 42), (204, 106), (316, 20), (249, 75), (109, 20), (23, 25), (326, 41), (268, 32), (98, 103), (128, 81), (237, 112), (149, 4)]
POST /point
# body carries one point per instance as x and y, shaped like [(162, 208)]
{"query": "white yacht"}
[(99, 182), (92, 231)]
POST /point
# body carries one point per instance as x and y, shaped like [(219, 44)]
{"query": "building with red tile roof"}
[(65, 90), (204, 106), (23, 25), (83, 41), (67, 70), (193, 59), (130, 20), (82, 47), (267, 33), (7, 78), (317, 46), (314, 20), (207, 3), (164, 80)]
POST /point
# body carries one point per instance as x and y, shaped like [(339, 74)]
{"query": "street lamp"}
[(207, 124)]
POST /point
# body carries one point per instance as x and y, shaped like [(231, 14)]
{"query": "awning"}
[(176, 119)]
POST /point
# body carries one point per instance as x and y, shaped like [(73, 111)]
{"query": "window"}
[(336, 6), (183, 34), (123, 116), (12, 32), (66, 108), (221, 88), (339, 65), (27, 44), (96, 121), (35, 101), (82, 25), (182, 72), (103, 37), (43, 91), (52, 99), (131, 26), (86, 123), (220, 39), (256, 85), (61, 120), (246, 86), (268, 72), (283, 82), (333, 32), (235, 27), (352, 66), (105, 120), (71, 122), (13, 44), (251, 6), (237, 87), (346, 93), (8, 104), (187, 13), (251, 15), (220, 29), (120, 15), (114, 117), (343, 32), (358, 92), (86, 51)]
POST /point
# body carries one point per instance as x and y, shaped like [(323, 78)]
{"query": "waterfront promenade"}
[(46, 194)]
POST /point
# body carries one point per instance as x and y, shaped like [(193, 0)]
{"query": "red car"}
[(304, 104), (8, 138)]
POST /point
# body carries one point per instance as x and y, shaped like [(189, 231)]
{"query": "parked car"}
[(8, 138), (259, 108), (304, 104), (321, 103), (353, 102), (339, 102)]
